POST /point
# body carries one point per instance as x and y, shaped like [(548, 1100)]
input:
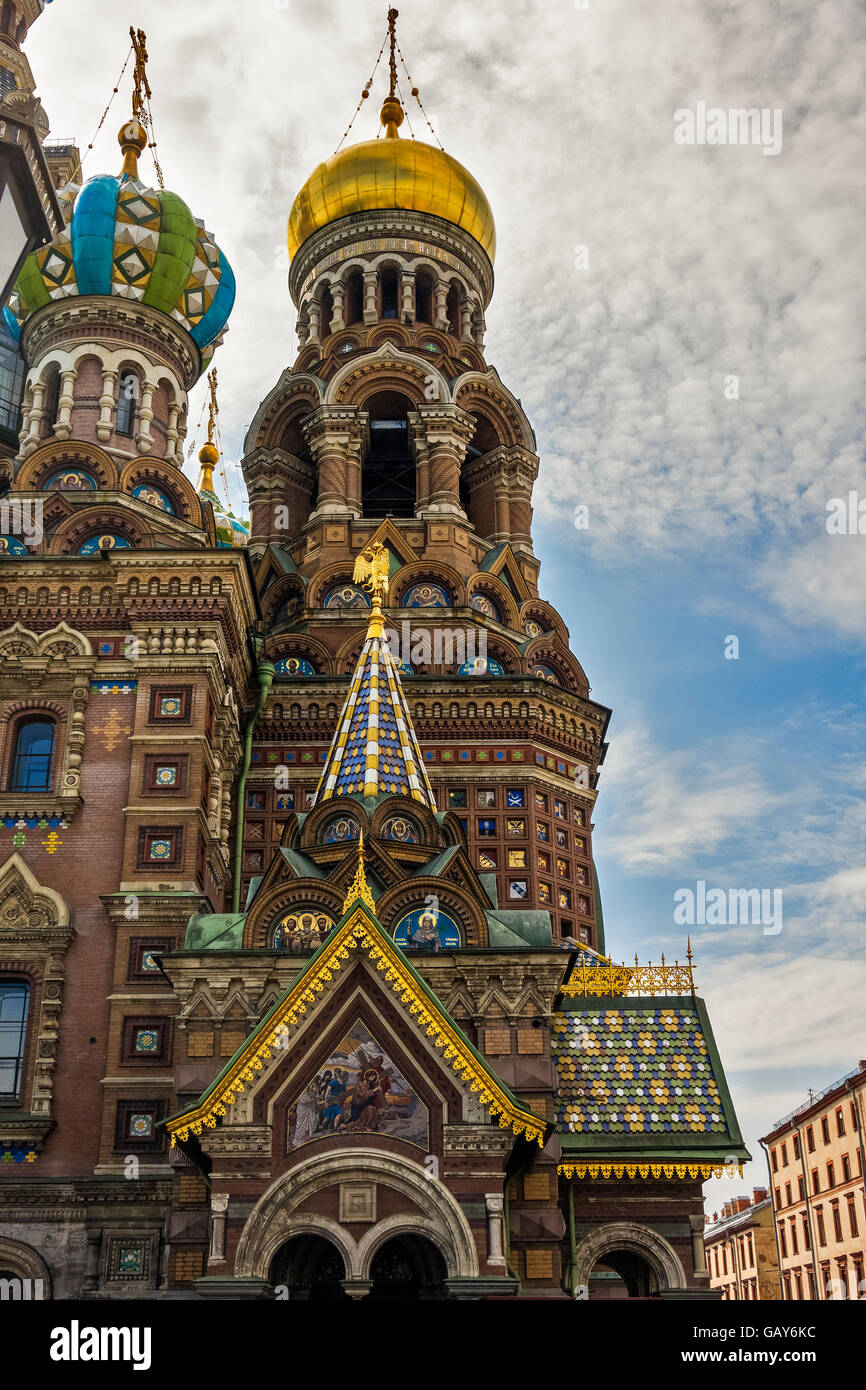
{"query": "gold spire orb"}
[(391, 173)]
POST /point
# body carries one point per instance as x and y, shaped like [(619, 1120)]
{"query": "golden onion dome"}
[(391, 173)]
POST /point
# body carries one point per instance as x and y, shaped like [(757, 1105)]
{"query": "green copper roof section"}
[(215, 931)]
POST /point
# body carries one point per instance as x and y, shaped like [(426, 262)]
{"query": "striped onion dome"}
[(125, 239)]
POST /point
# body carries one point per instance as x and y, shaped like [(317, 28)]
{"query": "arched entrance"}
[(622, 1274), (625, 1260), (407, 1268), (309, 1268)]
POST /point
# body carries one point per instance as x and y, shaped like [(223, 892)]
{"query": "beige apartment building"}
[(815, 1160), (741, 1249)]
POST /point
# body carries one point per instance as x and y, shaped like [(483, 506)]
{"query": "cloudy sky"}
[(683, 324)]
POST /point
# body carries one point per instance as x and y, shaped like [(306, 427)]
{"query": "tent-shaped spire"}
[(374, 751)]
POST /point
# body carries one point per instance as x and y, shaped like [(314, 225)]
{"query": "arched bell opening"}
[(388, 480)]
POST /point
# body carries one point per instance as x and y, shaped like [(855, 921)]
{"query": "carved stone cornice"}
[(112, 323)]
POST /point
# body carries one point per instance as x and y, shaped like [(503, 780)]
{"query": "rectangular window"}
[(825, 1130), (846, 1168), (816, 1180), (486, 827), (810, 1139), (852, 1215), (783, 1242), (486, 797), (831, 1175), (14, 1003), (837, 1222), (787, 1194), (822, 1234), (807, 1244), (775, 1160), (801, 1187), (840, 1122), (794, 1249), (796, 1142), (784, 1154)]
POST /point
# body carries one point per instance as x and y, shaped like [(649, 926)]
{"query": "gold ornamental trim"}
[(650, 1170), (612, 979), (356, 934)]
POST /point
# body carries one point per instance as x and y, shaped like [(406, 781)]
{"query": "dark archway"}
[(311, 1269), (622, 1274), (388, 478), (407, 1268)]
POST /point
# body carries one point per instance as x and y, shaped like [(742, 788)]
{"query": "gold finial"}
[(371, 572), (359, 889), (208, 454), (391, 114), (133, 136)]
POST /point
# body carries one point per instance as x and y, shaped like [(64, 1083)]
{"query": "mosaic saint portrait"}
[(358, 1090), (426, 930)]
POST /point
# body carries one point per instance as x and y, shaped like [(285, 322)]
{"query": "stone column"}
[(34, 419), (219, 1206), (106, 406), (466, 321), (315, 316), (371, 284), (441, 320), (338, 317), (495, 1203), (172, 434), (63, 427), (408, 280), (441, 433), (334, 434), (143, 440), (699, 1254), (91, 1268)]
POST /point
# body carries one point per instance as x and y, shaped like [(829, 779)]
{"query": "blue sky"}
[(706, 514)]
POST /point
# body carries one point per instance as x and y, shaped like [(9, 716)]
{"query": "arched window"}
[(14, 1001), (126, 398), (452, 310), (327, 305), (51, 401), (32, 756), (355, 298), (388, 480), (423, 298), (388, 288)]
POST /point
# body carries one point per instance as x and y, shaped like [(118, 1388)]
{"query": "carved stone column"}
[(699, 1254), (338, 318), (172, 434), (495, 1204), (408, 279), (34, 419), (219, 1206), (441, 434), (91, 1268), (315, 318), (441, 321), (335, 435), (143, 440), (371, 309), (106, 406), (66, 400)]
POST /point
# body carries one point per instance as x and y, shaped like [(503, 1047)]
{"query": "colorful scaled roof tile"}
[(127, 240), (374, 751), (644, 1072)]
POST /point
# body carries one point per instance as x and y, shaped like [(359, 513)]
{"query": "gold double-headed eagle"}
[(371, 572)]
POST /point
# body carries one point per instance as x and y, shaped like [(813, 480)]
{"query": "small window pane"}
[(14, 999)]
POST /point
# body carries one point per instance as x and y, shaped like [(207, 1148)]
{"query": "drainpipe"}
[(772, 1192), (572, 1240), (265, 674)]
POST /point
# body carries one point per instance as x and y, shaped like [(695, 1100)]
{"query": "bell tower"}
[(392, 427)]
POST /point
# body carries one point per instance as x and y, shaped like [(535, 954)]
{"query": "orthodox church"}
[(304, 986)]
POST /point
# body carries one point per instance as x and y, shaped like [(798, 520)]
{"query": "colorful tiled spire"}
[(374, 751)]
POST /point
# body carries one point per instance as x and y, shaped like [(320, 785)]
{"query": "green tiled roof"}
[(641, 1074)]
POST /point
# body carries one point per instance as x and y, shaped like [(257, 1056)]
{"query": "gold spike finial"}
[(133, 136), (391, 114), (359, 889), (208, 454)]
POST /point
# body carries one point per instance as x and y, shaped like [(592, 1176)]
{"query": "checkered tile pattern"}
[(374, 751), (635, 1071)]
